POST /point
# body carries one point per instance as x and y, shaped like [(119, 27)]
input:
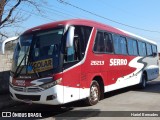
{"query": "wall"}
[(6, 61), (5, 66)]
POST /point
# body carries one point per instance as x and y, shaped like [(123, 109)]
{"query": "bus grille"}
[(33, 90), (26, 89), (20, 89)]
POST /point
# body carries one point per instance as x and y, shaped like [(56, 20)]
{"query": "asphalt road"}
[(114, 104)]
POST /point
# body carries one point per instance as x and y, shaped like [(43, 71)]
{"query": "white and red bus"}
[(70, 60)]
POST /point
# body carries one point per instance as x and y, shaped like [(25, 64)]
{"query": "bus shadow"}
[(152, 87), (116, 92), (59, 112), (69, 109), (79, 114)]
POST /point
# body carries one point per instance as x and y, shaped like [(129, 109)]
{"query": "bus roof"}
[(87, 23), (137, 36)]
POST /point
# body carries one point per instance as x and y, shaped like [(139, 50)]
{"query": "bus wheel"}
[(94, 96), (143, 82)]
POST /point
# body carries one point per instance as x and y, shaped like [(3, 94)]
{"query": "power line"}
[(59, 12), (51, 11), (29, 12), (45, 17), (64, 16), (67, 3), (82, 16)]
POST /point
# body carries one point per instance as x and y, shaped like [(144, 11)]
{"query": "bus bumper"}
[(51, 96)]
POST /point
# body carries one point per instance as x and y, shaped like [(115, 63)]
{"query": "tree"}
[(11, 15), (2, 3)]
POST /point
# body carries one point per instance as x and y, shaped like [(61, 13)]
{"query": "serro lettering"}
[(118, 62)]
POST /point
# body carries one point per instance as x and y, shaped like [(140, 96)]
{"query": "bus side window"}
[(132, 47), (99, 43), (154, 50), (76, 48), (135, 49), (149, 50), (108, 43), (142, 48), (73, 53), (70, 54), (120, 44), (77, 51)]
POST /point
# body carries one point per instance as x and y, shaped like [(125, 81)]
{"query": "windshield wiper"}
[(16, 72)]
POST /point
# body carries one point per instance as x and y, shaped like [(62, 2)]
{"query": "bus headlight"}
[(51, 84)]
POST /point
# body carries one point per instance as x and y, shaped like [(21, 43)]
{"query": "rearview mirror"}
[(6, 41), (70, 36)]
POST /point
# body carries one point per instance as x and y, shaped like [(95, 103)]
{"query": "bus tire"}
[(143, 82), (94, 95)]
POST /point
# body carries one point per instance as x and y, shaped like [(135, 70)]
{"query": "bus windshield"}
[(38, 52)]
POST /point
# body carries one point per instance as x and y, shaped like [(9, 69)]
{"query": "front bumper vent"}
[(28, 97)]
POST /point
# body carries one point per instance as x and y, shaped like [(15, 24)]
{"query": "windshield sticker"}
[(40, 66)]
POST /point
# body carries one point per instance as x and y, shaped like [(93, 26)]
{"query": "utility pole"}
[(2, 3)]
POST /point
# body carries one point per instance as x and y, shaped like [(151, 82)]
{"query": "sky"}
[(143, 14)]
